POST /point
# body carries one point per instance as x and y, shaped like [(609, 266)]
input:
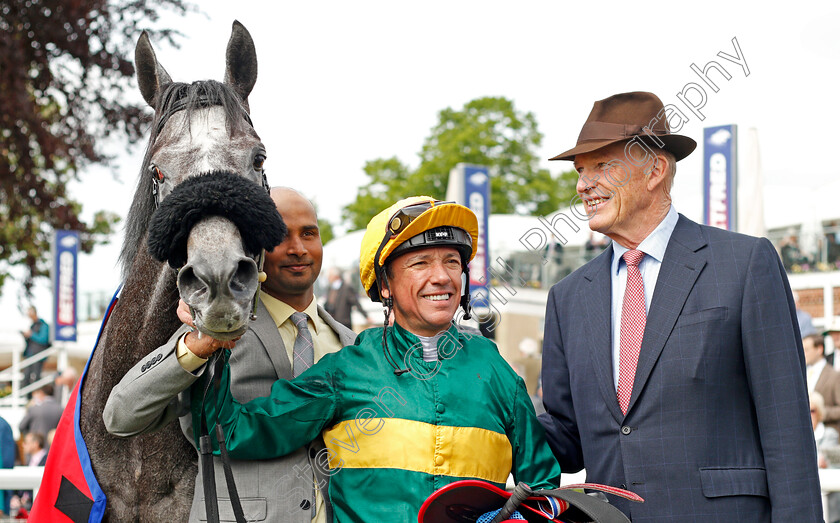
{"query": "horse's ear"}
[(151, 76), (241, 62)]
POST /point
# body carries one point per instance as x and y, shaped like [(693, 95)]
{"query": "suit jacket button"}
[(305, 504), (145, 367), (623, 486), (158, 357), (312, 453), (626, 430)]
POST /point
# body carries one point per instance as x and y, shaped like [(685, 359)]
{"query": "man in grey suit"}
[(43, 412), (672, 362), (158, 388)]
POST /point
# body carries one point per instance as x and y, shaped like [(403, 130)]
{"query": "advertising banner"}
[(65, 258), (720, 176)]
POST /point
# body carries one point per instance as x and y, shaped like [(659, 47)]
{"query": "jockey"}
[(412, 406)]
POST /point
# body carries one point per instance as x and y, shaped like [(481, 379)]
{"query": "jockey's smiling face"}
[(426, 286)]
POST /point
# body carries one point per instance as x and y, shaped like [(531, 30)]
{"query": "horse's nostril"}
[(190, 285), (245, 277)]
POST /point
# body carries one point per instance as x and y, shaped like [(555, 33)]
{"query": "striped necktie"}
[(304, 350)]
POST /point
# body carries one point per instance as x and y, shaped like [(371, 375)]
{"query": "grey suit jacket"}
[(157, 390), (41, 418), (718, 427)]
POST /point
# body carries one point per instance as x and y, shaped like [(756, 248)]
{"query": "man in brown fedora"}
[(672, 362)]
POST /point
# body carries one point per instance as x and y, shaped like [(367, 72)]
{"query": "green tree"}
[(64, 72), (566, 189), (326, 230), (390, 180), (487, 131)]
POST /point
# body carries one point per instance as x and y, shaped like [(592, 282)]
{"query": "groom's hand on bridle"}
[(200, 344)]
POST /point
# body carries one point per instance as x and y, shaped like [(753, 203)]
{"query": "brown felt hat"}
[(623, 116)]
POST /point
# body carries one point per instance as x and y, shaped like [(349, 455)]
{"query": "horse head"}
[(205, 162), (213, 229)]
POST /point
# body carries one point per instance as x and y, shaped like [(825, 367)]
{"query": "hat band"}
[(614, 131)]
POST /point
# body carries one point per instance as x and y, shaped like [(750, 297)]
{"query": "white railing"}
[(14, 374), (21, 478)]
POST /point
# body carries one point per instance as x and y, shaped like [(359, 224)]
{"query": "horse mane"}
[(143, 204)]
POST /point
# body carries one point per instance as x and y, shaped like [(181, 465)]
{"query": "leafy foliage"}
[(487, 131), (64, 72), (326, 230), (390, 180)]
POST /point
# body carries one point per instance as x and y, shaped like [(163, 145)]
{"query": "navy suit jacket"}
[(718, 426)]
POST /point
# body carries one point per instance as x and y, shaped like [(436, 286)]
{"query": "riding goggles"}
[(406, 215)]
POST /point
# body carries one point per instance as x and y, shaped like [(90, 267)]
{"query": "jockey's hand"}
[(202, 345)]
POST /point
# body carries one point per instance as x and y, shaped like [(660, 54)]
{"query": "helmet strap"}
[(388, 307), (465, 298), (387, 303)]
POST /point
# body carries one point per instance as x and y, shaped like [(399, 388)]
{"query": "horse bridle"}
[(158, 177), (216, 367), (180, 104)]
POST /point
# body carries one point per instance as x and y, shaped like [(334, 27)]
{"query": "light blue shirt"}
[(654, 248)]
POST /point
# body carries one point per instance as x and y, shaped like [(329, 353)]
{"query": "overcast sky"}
[(342, 82)]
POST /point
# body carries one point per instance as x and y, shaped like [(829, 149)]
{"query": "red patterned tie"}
[(633, 319)]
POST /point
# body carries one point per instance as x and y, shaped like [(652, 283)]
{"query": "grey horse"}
[(198, 128)]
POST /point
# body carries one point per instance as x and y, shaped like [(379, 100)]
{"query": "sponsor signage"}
[(720, 176), (65, 257), (477, 198)]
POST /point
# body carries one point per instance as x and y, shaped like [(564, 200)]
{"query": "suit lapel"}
[(266, 331), (345, 336), (597, 296), (681, 265)]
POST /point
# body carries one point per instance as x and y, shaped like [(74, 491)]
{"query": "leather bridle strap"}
[(211, 503)]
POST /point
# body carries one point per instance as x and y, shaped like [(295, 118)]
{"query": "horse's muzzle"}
[(221, 298)]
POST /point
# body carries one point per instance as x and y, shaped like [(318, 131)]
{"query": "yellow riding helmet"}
[(401, 227)]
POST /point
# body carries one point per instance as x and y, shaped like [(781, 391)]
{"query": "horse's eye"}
[(259, 160), (156, 173)]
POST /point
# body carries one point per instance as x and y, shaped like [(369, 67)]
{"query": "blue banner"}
[(65, 269), (720, 176), (477, 198)]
